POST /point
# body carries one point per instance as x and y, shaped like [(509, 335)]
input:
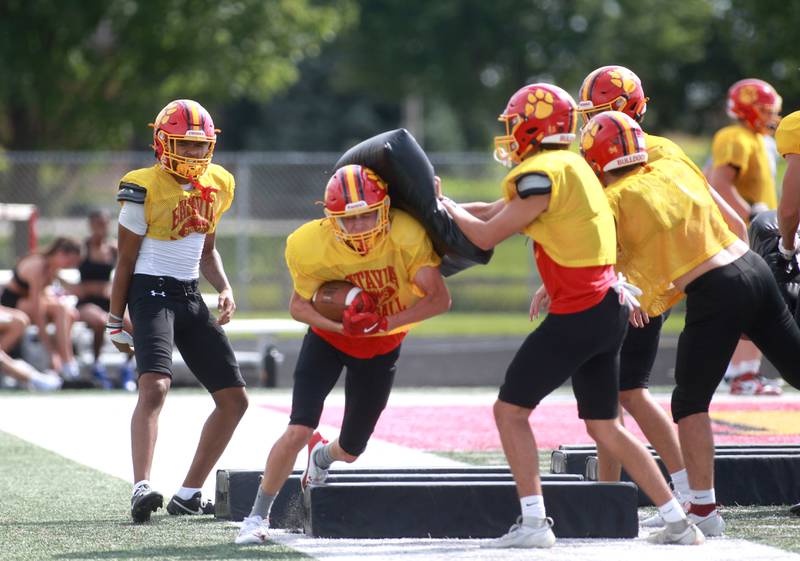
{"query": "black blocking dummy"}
[(764, 236), (401, 162)]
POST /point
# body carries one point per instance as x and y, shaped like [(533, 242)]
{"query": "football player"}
[(616, 88), (389, 255), (167, 231), (787, 138), (553, 197), (673, 236), (742, 170)]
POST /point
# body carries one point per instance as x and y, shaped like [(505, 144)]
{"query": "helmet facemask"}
[(361, 242)]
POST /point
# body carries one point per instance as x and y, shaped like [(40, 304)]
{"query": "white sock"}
[(672, 511), (680, 483), (141, 483), (704, 497), (532, 507), (187, 493)]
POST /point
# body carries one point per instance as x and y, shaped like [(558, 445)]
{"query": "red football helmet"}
[(612, 88), (180, 121), (756, 103), (352, 191), (536, 114), (612, 140)]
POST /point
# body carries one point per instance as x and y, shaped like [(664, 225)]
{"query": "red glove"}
[(363, 302), (363, 323)]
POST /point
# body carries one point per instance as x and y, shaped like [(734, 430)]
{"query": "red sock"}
[(702, 510)]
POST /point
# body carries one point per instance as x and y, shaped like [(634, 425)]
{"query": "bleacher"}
[(250, 362)]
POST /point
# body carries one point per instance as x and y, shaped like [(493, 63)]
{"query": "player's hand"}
[(225, 306), (121, 338), (437, 186), (363, 323), (638, 317), (788, 253), (363, 302), (539, 303)]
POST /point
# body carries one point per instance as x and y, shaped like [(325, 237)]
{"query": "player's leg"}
[(152, 339), (209, 355), (546, 359), (717, 305), (319, 366), (368, 384)]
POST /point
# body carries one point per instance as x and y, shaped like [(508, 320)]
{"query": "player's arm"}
[(732, 219), (722, 180), (303, 311), (483, 211), (789, 206), (514, 215), (436, 300), (213, 270)]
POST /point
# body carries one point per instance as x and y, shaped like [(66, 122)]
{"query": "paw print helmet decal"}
[(536, 114)]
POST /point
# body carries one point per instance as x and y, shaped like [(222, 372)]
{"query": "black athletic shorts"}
[(584, 345), (638, 353), (367, 386), (9, 298), (741, 297), (165, 310)]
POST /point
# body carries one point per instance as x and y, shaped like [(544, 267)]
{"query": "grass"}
[(54, 508), (463, 324)]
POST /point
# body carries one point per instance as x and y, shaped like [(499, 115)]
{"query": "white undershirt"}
[(179, 259)]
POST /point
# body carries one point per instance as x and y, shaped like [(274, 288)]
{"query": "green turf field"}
[(54, 508)]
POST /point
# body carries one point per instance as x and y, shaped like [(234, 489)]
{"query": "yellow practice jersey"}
[(667, 224), (787, 137), (660, 147), (745, 150), (577, 229), (170, 211), (314, 256)]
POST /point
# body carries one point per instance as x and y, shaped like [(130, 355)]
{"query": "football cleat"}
[(254, 530), (754, 384), (195, 505), (712, 524), (313, 474), (144, 502), (522, 535), (678, 533)]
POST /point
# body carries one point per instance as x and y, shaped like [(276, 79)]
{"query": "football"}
[(333, 297)]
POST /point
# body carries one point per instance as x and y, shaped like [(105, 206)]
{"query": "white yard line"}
[(718, 549)]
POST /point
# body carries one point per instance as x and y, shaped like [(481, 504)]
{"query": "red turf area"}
[(762, 420)]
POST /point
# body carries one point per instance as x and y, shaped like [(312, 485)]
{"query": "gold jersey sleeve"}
[(314, 256), (787, 137), (172, 212), (667, 224), (660, 147), (577, 229), (746, 151)]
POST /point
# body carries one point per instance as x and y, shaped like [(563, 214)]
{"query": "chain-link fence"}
[(275, 193)]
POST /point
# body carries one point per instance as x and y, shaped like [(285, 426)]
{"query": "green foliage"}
[(91, 73)]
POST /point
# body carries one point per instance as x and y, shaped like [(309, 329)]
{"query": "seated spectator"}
[(30, 290), (94, 291), (12, 327)]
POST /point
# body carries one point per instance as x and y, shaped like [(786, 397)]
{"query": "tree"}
[(90, 73)]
